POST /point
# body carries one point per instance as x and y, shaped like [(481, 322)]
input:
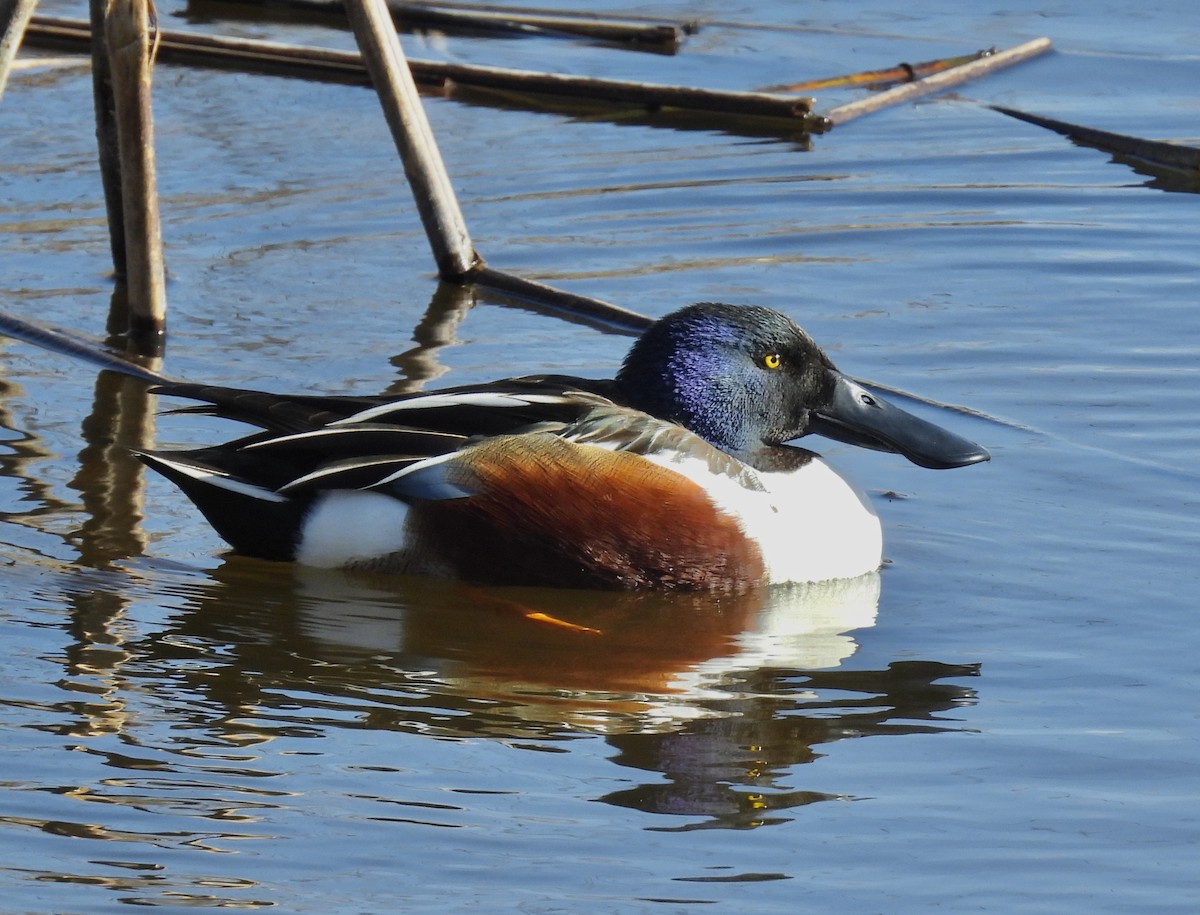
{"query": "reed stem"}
[(14, 17), (436, 203), (125, 131)]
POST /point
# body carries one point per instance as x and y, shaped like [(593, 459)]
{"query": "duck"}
[(680, 473)]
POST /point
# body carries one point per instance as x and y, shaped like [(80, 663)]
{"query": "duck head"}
[(747, 378)]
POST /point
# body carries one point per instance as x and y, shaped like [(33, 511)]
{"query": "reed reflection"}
[(111, 485), (20, 455), (419, 365), (110, 480)]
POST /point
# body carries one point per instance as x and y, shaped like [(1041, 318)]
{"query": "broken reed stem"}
[(70, 343), (127, 40), (901, 73), (14, 17), (938, 81), (595, 312), (440, 213)]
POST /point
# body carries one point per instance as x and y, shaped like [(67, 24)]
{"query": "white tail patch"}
[(351, 527)]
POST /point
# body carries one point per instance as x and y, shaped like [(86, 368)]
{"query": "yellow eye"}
[(772, 361)]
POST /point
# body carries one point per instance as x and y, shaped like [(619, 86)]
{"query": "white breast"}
[(810, 524)]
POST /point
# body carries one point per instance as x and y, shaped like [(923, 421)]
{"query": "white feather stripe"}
[(486, 399), (339, 432), (220, 480)]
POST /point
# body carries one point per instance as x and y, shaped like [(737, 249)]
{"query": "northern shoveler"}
[(675, 474)]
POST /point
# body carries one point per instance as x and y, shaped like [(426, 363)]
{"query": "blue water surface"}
[(1002, 720)]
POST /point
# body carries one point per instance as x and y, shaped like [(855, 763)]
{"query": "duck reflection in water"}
[(722, 696)]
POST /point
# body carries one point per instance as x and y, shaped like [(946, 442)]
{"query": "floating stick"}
[(653, 33), (938, 81), (901, 73)]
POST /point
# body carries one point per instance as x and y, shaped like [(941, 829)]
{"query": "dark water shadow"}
[(1170, 166)]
